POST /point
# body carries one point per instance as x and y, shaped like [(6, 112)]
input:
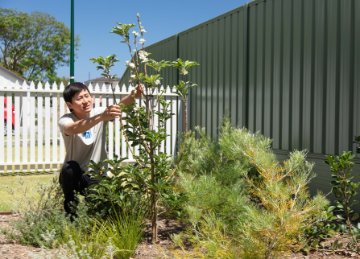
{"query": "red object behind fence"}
[(12, 111)]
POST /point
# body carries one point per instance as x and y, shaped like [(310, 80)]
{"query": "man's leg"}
[(70, 178)]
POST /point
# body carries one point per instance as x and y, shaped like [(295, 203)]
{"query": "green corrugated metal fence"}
[(286, 68)]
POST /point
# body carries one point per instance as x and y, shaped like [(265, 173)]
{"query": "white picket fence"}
[(35, 143)]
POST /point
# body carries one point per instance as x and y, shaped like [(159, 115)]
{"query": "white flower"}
[(143, 56), (109, 174), (142, 29), (130, 64), (143, 53), (135, 33), (184, 71), (157, 82), (132, 76), (142, 41)]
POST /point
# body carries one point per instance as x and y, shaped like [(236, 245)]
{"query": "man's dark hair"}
[(72, 89)]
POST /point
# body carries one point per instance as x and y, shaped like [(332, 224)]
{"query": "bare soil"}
[(162, 249)]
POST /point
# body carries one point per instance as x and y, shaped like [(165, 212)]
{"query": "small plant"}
[(45, 229), (115, 237), (343, 186), (183, 87), (125, 232), (89, 242), (325, 226), (43, 223)]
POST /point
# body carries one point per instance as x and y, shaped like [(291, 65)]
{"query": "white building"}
[(7, 76)]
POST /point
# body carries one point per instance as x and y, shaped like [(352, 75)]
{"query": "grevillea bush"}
[(241, 201)]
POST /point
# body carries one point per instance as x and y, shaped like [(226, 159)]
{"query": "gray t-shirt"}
[(86, 146)]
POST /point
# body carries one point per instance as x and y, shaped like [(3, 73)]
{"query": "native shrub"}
[(263, 206)]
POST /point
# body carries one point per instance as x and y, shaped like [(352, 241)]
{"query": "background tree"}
[(33, 45)]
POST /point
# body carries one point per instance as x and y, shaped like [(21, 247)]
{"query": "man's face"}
[(81, 104)]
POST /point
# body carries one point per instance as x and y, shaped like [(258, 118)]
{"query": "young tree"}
[(145, 126), (33, 45), (145, 122)]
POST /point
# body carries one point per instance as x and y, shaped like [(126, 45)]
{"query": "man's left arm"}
[(136, 93)]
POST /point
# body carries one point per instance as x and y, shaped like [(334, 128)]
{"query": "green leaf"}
[(122, 29)]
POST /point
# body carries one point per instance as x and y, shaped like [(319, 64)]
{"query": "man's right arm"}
[(70, 127)]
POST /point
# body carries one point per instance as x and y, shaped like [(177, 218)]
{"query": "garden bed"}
[(163, 249), (9, 249)]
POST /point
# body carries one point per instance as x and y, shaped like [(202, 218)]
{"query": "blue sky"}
[(95, 19)]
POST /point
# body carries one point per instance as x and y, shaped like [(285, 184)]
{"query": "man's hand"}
[(136, 93), (111, 112), (139, 90)]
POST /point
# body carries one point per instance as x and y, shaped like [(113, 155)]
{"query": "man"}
[(84, 134)]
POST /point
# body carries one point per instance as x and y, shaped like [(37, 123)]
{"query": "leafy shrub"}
[(123, 191), (171, 203), (262, 205), (343, 186), (117, 193)]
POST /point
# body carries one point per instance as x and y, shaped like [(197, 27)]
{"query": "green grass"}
[(17, 191)]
